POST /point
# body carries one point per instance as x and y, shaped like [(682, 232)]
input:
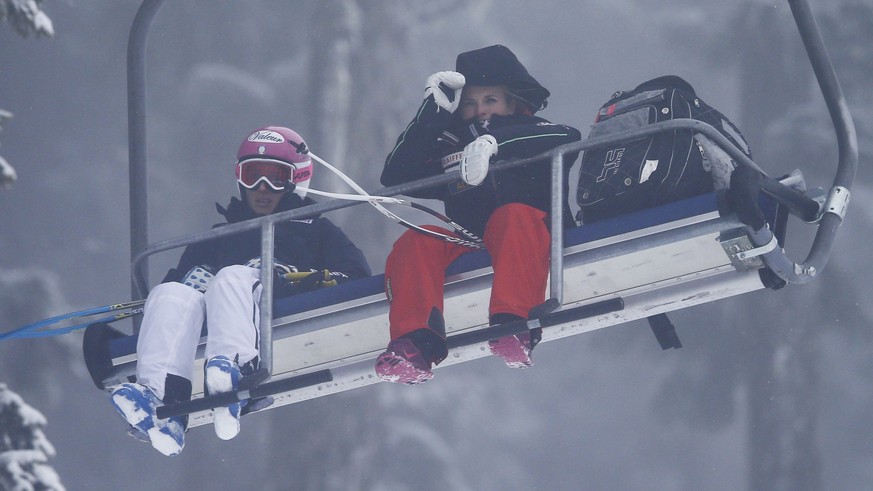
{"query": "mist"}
[(771, 390)]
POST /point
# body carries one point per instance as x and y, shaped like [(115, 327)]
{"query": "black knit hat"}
[(497, 65)]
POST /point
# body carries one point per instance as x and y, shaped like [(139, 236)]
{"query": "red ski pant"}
[(518, 241)]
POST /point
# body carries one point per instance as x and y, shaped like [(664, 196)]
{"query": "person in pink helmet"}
[(479, 113), (218, 282)]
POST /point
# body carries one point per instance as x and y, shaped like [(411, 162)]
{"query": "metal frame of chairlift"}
[(826, 212)]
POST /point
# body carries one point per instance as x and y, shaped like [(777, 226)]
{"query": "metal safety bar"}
[(787, 196), (829, 217)]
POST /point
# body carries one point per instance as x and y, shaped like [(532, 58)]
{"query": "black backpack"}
[(653, 170)]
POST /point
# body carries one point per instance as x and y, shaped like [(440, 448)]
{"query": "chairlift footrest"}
[(520, 326), (228, 398)]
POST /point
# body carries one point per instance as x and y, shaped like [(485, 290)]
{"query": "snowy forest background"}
[(771, 391)]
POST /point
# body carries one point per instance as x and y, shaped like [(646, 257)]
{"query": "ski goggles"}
[(275, 173)]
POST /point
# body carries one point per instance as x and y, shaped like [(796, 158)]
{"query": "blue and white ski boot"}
[(137, 403), (223, 375)]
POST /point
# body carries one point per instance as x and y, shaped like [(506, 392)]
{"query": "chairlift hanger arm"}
[(831, 214), (847, 139), (136, 121), (847, 164)]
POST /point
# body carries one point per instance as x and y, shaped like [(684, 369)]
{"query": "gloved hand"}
[(307, 281), (279, 268), (199, 277), (476, 158), (446, 89), (283, 269)]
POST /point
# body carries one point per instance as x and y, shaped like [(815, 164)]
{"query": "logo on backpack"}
[(613, 161)]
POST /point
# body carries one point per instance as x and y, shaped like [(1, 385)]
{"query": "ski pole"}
[(68, 329), (16, 333)]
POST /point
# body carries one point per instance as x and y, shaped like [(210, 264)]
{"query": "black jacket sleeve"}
[(518, 135), (416, 153)]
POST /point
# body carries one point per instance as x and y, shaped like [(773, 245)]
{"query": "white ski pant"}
[(173, 318)]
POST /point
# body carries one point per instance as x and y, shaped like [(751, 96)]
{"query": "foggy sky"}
[(602, 411)]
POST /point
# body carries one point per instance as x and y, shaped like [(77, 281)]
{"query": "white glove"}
[(452, 83), (280, 268), (199, 278), (477, 156)]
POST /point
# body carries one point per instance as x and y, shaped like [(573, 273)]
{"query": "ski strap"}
[(464, 238)]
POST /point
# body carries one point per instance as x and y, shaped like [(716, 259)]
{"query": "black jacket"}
[(435, 134), (313, 243)]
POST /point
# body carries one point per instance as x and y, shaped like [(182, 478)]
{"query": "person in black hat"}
[(482, 111)]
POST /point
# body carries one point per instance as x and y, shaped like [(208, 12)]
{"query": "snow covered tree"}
[(775, 361), (7, 173), (26, 17), (24, 448)]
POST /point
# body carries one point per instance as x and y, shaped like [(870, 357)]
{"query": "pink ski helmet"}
[(281, 144)]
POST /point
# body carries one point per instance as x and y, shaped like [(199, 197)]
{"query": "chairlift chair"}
[(636, 266)]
